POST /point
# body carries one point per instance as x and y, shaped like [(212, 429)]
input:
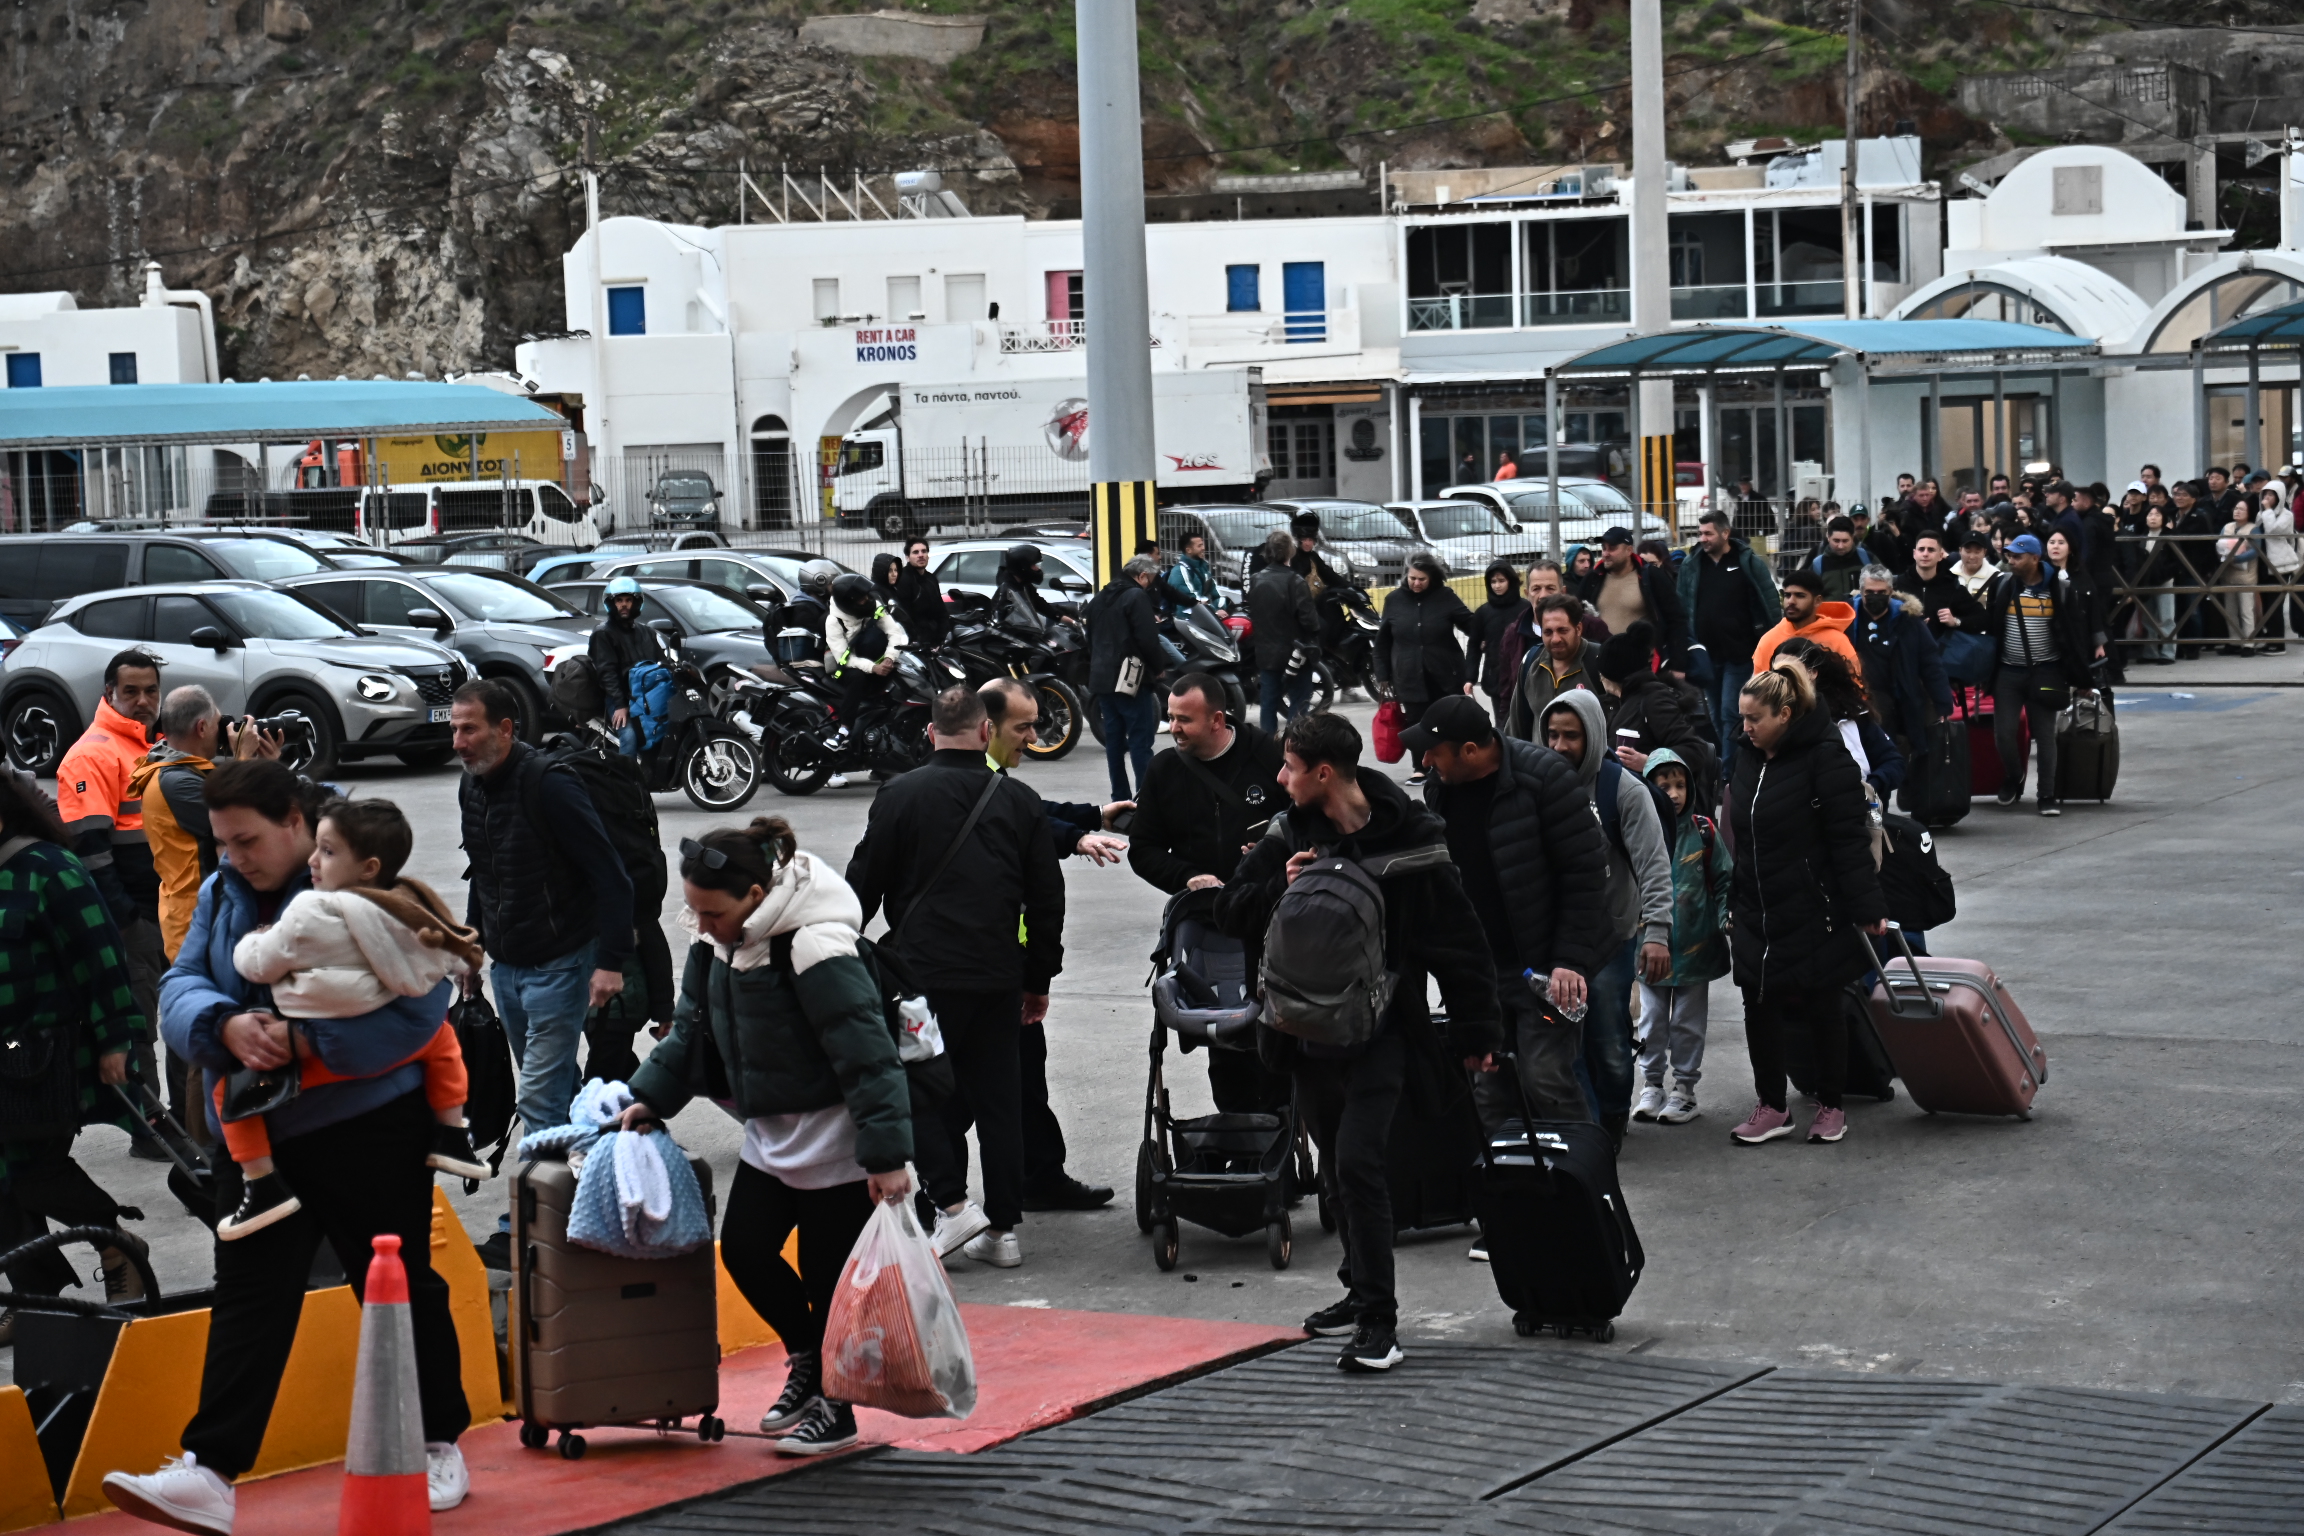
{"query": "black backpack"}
[(576, 692), (619, 792), (1322, 974), (1918, 890)]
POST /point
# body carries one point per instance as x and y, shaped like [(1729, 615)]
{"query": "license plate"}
[(438, 716)]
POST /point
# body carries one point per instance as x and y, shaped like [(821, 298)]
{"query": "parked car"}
[(1465, 535), (40, 570), (539, 508), (1588, 508), (1068, 567), (575, 564), (499, 551), (1374, 540), (10, 633), (684, 497), (743, 573), (717, 628), (504, 628), (259, 649)]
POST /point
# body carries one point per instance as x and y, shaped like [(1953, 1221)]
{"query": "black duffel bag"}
[(1918, 891)]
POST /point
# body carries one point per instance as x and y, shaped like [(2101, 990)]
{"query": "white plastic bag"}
[(893, 1340), (923, 1036)]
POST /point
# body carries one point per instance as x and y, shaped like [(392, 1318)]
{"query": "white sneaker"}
[(1478, 1253), (444, 1475), (951, 1231), (998, 1249), (1650, 1102), (837, 781), (182, 1494), (1680, 1108)]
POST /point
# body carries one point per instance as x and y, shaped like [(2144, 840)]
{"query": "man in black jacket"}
[(920, 596), (1624, 588), (1283, 616), (1124, 637), (958, 936), (1430, 928), (2039, 620), (618, 645), (1903, 674), (1535, 866)]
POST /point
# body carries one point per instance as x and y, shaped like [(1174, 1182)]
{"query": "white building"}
[(47, 339)]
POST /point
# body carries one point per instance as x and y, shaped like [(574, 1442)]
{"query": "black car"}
[(503, 627), (40, 570), (716, 626), (684, 498)]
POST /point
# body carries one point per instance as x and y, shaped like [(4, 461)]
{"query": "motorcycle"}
[(1348, 625), (1055, 663), (710, 761), (790, 713)]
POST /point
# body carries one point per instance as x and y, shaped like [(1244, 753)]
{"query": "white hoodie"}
[(339, 954)]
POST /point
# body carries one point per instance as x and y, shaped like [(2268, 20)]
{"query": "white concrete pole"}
[(1121, 464), (1851, 247), (1651, 245)]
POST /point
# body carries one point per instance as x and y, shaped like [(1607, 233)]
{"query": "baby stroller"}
[(1229, 1172)]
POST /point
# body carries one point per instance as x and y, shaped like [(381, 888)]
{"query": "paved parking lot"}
[(2138, 1233)]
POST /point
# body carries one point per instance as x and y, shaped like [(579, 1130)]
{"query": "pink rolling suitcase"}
[(1959, 1041)]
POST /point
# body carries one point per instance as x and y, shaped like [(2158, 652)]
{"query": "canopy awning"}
[(1903, 346), (76, 415), (2282, 327)]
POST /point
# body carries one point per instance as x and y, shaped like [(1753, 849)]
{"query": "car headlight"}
[(560, 653), (712, 508), (375, 689)]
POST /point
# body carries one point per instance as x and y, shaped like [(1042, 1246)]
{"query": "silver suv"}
[(258, 649)]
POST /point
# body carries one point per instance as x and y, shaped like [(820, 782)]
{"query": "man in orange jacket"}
[(1807, 614), (106, 824)]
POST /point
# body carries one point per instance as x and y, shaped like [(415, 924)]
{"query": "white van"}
[(541, 509)]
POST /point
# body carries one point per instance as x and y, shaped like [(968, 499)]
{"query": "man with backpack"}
[(1639, 933), (551, 898), (1355, 901)]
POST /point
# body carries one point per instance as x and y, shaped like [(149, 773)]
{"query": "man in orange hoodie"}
[(1806, 613)]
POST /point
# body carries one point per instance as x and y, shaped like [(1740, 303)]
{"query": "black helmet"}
[(1305, 525), (817, 576), (854, 596), (1019, 559)]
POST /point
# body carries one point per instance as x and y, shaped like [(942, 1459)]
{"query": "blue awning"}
[(70, 416), (1819, 343), (2282, 327)]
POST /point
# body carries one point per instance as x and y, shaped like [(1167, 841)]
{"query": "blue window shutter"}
[(23, 370), (1304, 292), (123, 367), (628, 311), (1243, 287)]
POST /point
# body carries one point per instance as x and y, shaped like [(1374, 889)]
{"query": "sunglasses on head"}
[(710, 858)]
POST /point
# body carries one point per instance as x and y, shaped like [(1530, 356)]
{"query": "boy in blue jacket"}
[(1675, 1012)]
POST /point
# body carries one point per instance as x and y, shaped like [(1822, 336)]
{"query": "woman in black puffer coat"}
[(1485, 663), (1804, 885), (1416, 650)]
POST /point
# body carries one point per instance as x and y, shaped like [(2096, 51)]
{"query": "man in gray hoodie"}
[(1575, 725)]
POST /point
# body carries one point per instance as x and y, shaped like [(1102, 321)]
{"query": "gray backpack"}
[(1322, 974)]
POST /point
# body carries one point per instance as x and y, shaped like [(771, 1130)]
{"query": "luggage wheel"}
[(711, 1428), (571, 1446), (533, 1436), (1528, 1327)]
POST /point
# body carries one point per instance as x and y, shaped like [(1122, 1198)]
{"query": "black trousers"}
[(356, 1179), (762, 1211), (2021, 688), (983, 1036), (1351, 1103), (50, 1186), (1771, 1012)]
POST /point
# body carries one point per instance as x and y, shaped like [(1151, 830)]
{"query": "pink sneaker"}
[(1763, 1124), (1829, 1125)]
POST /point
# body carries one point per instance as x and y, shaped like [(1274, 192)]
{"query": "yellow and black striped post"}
[(1121, 519), (1659, 498)]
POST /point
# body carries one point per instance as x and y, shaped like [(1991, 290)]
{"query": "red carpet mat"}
[(1034, 1367)]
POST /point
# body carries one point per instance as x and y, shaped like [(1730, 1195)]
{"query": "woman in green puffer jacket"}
[(780, 1018)]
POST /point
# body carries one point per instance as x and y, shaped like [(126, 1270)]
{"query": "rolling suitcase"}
[(1938, 783), (2087, 750), (597, 1339), (1561, 1246), (1958, 1039)]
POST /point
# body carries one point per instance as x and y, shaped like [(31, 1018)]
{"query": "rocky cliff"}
[(387, 187)]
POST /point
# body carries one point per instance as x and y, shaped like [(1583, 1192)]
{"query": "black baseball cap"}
[(1455, 717), (1616, 535)]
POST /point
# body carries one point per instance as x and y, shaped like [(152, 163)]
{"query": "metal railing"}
[(2208, 599)]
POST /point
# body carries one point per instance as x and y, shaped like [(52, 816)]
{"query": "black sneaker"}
[(453, 1152), (2050, 808), (825, 1427), (1331, 1321), (803, 1383), (262, 1202), (2008, 797), (496, 1252), (1070, 1195), (1374, 1348), (148, 1149)]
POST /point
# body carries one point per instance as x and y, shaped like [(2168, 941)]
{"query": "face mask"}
[(1875, 603)]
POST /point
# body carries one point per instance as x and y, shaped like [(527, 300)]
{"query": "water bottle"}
[(1542, 982)]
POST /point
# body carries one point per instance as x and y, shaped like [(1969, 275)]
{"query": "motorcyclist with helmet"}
[(1018, 604), (1307, 562), (621, 643), (861, 638)]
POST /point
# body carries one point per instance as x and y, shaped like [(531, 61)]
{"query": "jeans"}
[(1605, 1067), (1271, 684), (628, 740), (982, 1033), (1350, 1103), (1672, 1025), (1728, 680), (1129, 726), (762, 1211), (356, 1179), (543, 1007), (2161, 627), (1173, 651), (1544, 1046), (1768, 1013), (2019, 688)]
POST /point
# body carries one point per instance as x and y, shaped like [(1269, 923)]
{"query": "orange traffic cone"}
[(384, 1486)]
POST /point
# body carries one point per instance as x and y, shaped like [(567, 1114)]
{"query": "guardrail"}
[(2252, 601)]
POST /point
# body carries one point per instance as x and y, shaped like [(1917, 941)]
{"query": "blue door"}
[(628, 311), (1242, 288), (1304, 295)]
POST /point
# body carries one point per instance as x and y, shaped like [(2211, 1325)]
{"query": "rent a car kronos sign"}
[(888, 344)]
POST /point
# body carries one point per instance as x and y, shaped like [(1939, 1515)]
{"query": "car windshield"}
[(701, 611), (1244, 530), (264, 559), (276, 616), (1600, 496), (683, 485), (487, 597), (1462, 520), (1340, 520)]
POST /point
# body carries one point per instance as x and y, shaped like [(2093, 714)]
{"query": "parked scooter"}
[(1054, 662), (790, 714), (712, 762)]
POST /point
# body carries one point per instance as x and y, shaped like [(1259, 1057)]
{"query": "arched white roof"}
[(2073, 294), (2227, 288), (25, 306)]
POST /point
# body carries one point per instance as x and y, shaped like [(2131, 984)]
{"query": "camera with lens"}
[(283, 726)]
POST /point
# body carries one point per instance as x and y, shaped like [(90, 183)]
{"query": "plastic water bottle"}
[(1543, 986)]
